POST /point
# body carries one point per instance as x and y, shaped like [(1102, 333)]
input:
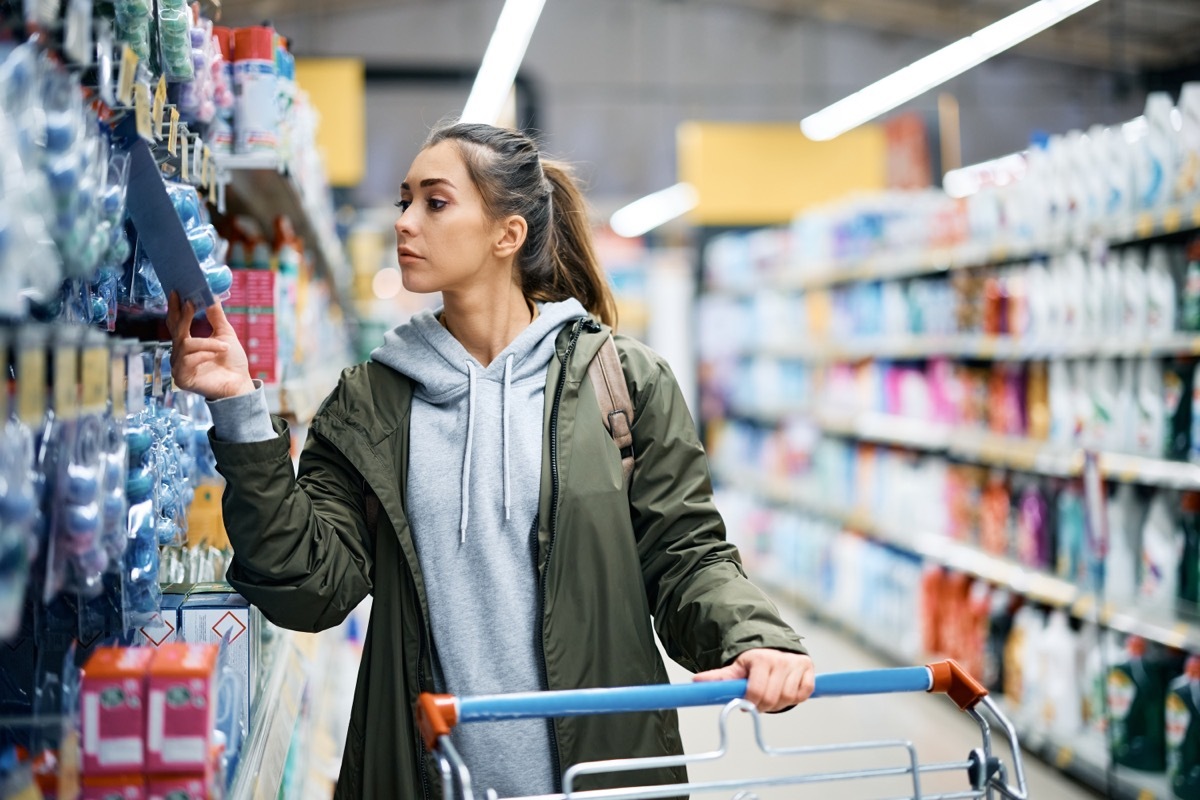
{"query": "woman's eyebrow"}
[(426, 183)]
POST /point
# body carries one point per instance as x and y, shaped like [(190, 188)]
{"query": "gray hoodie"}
[(475, 465)]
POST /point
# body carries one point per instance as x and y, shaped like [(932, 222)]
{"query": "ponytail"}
[(558, 259), (576, 269)]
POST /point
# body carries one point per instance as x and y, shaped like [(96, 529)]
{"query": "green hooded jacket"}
[(607, 562)]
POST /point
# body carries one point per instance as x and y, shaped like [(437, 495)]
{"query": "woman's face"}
[(444, 237)]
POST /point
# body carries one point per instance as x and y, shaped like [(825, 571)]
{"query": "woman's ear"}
[(512, 233)]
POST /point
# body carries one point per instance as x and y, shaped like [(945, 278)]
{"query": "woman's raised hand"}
[(214, 367)]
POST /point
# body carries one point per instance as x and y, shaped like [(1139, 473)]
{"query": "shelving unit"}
[(901, 264), (262, 187), (982, 447)]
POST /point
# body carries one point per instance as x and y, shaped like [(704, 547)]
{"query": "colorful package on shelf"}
[(114, 703), (134, 25), (182, 707), (256, 109)]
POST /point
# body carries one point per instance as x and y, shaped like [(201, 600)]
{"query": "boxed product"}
[(113, 787), (164, 627), (179, 787), (183, 704), (113, 701), (212, 612)]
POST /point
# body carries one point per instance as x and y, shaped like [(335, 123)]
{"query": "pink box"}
[(260, 289), (238, 294), (182, 709), (113, 787), (113, 699), (179, 787)]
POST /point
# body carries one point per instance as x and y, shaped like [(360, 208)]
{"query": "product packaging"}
[(182, 711), (1189, 562), (113, 787), (1062, 713), (113, 702), (256, 109), (1183, 732), (215, 613), (1150, 420), (1124, 546), (1162, 549), (1178, 387), (1161, 294), (1137, 705)]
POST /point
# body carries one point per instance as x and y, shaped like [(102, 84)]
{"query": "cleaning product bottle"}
[(1150, 431), (1158, 153), (1189, 562), (1069, 549), (1160, 294), (1183, 732), (1178, 377), (1093, 294), (1037, 401), (1124, 547), (1187, 187), (1033, 529), (1105, 385), (1133, 295), (1062, 414), (1162, 549), (1137, 705), (1062, 713), (1125, 408), (1190, 302), (999, 628)]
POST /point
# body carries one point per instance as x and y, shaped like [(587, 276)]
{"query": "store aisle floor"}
[(940, 732)]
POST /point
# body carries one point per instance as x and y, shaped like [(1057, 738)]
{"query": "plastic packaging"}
[(1178, 386), (1187, 186), (1150, 421), (1183, 732), (175, 40), (1162, 549), (1062, 713), (1161, 294), (1137, 704), (1133, 295), (1158, 154), (1124, 546)]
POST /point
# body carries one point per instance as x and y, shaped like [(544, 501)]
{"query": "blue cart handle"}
[(438, 714)]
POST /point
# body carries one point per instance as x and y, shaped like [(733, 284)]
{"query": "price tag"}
[(118, 373), (1144, 226), (1146, 794), (206, 167), (31, 384), (66, 381), (125, 76), (185, 160), (1064, 757), (1173, 219), (95, 378), (1083, 606), (160, 104), (173, 135), (141, 108), (212, 190)]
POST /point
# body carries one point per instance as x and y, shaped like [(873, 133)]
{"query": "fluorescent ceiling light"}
[(500, 63), (937, 68), (644, 215)]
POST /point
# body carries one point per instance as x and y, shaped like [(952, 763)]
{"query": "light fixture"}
[(503, 57), (387, 283), (644, 215), (937, 68)]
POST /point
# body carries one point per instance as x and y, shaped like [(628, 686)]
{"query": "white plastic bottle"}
[(1161, 294), (1072, 275), (1093, 298), (1187, 186), (1114, 303), (1133, 296), (1157, 161), (1104, 385), (1124, 547), (1150, 420), (1062, 711), (1162, 547), (1062, 408), (1125, 408)]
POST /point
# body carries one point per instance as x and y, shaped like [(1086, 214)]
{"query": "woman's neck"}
[(484, 327)]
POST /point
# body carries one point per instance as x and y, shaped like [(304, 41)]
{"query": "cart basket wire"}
[(986, 775)]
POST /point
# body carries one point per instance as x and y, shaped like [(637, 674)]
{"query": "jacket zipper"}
[(558, 392), (422, 756)]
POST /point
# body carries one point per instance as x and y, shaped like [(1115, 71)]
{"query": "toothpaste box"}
[(113, 787), (113, 699), (182, 710)]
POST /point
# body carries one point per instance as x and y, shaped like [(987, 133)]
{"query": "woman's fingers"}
[(209, 345), (733, 672)]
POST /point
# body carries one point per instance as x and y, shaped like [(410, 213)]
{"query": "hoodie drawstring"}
[(466, 479), (508, 362)]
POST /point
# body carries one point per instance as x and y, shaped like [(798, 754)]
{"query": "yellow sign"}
[(173, 136), (141, 109), (66, 382), (185, 160), (31, 385), (95, 379), (125, 75), (764, 173), (336, 87), (160, 103)]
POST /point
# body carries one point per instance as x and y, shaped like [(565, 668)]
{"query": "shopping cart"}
[(986, 775)]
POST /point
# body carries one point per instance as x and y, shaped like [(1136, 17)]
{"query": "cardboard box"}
[(260, 289), (215, 610), (113, 700), (164, 628), (183, 708), (113, 787), (180, 787)]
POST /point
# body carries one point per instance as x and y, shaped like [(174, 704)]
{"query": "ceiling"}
[(1120, 35)]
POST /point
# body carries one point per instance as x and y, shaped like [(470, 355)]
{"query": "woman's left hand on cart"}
[(776, 679)]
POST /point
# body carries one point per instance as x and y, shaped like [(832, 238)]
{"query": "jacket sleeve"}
[(706, 611), (302, 552)]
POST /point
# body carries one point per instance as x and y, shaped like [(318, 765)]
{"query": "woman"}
[(509, 555)]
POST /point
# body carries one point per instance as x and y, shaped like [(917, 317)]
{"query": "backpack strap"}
[(616, 409)]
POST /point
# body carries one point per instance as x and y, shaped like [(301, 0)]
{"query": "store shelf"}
[(978, 347), (260, 186), (982, 447), (1033, 584), (886, 266)]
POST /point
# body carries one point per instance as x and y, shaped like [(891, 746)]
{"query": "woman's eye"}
[(436, 205), (403, 205)]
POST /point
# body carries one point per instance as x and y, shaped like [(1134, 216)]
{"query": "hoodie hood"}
[(443, 371)]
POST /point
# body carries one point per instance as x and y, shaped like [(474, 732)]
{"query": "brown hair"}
[(558, 259)]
